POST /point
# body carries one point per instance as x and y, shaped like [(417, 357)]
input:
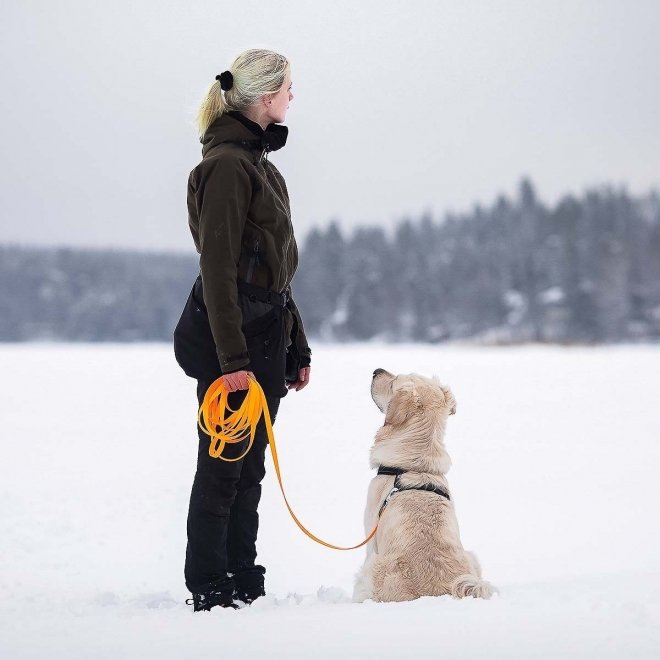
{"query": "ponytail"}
[(211, 107)]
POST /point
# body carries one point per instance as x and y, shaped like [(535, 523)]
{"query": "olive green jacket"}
[(240, 220)]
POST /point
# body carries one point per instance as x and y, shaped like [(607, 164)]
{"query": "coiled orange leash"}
[(236, 427)]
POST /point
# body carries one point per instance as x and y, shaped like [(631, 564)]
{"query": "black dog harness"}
[(398, 487)]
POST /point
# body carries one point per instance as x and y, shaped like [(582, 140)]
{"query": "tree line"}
[(584, 271)]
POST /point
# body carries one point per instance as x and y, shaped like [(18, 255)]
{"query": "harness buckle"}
[(387, 499)]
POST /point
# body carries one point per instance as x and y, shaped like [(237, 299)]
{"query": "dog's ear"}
[(449, 398), (400, 406)]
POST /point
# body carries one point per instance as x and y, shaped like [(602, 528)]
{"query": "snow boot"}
[(249, 583), (222, 594)]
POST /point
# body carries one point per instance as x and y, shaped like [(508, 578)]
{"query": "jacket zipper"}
[(264, 156)]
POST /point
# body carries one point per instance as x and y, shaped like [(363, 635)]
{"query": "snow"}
[(555, 479)]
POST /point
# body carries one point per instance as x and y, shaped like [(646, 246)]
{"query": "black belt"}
[(254, 292)]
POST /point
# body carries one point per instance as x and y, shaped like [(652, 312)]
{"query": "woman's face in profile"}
[(280, 101)]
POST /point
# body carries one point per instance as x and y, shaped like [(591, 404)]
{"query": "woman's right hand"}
[(237, 380)]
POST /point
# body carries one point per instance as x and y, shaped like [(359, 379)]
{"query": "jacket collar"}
[(234, 126)]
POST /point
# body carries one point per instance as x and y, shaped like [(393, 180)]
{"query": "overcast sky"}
[(400, 108)]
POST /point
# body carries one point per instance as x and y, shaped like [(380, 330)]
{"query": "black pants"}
[(222, 516)]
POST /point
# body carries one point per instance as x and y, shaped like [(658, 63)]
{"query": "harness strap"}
[(383, 469), (397, 487)]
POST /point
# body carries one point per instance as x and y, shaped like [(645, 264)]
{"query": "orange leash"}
[(236, 427)]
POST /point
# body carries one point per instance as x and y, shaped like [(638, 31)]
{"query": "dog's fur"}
[(417, 550)]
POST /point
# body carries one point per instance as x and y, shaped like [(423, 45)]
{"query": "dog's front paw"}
[(362, 590), (361, 596)]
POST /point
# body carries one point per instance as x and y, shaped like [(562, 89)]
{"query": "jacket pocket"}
[(254, 258)]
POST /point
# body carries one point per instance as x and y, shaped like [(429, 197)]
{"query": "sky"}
[(399, 109)]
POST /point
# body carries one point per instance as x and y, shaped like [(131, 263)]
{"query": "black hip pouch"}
[(194, 346)]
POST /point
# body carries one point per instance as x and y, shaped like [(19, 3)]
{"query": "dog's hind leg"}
[(391, 579)]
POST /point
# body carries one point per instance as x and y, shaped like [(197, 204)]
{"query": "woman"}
[(240, 317)]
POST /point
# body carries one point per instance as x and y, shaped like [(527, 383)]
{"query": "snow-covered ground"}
[(556, 481)]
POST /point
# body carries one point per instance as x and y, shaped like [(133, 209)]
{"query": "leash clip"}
[(394, 489)]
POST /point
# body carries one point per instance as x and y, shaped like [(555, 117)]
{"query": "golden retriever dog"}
[(417, 549)]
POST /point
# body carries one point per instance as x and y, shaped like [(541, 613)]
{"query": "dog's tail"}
[(469, 585)]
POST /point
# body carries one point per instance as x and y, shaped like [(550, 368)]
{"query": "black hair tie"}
[(226, 80)]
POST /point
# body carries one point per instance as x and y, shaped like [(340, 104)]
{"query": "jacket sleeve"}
[(298, 334), (223, 197)]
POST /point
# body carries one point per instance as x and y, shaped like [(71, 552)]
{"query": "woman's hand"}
[(237, 380), (303, 379)]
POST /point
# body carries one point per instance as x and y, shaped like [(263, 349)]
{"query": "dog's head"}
[(416, 409), (405, 395)]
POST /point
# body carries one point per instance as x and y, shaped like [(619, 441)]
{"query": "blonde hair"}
[(256, 72)]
